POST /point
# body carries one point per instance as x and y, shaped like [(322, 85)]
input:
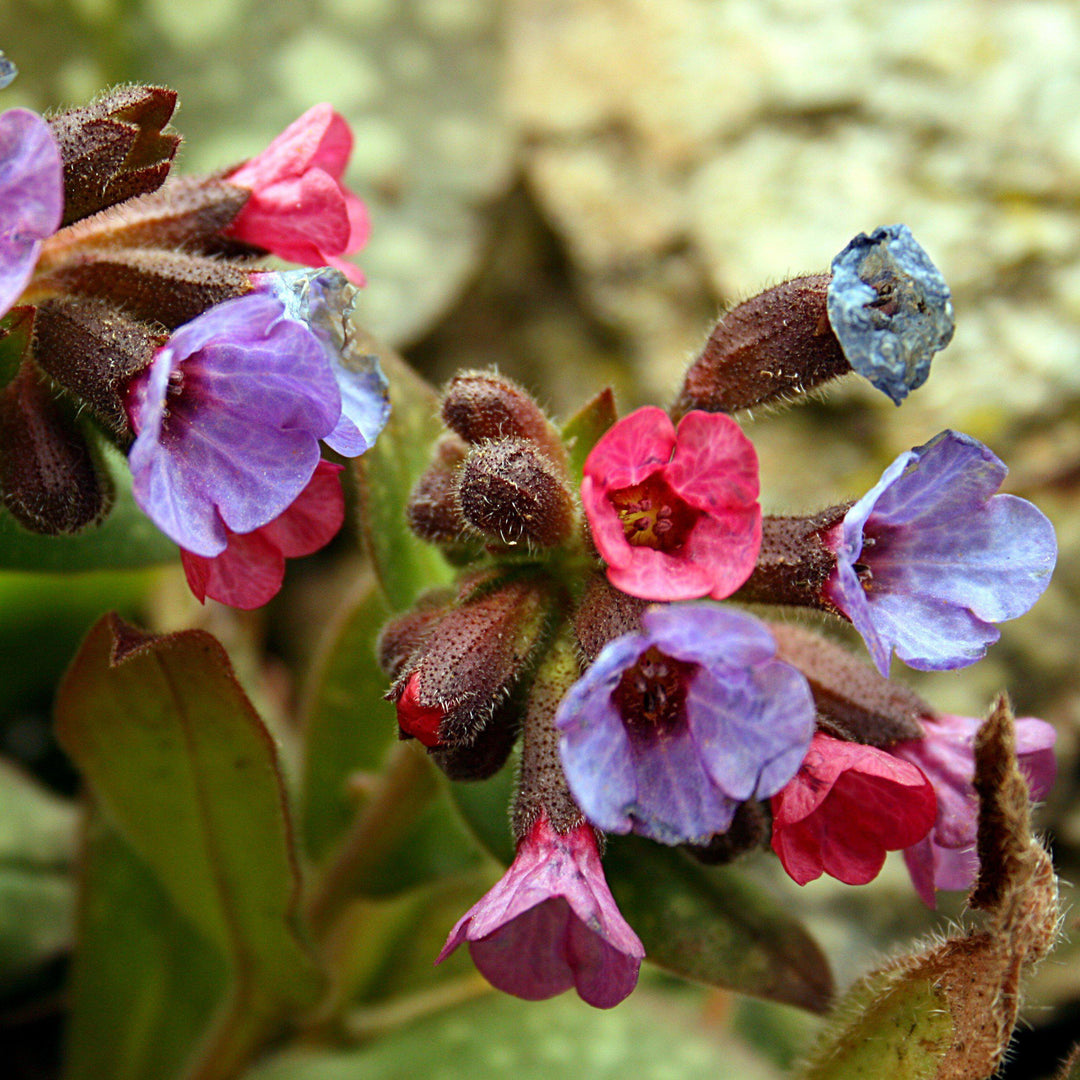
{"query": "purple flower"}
[(230, 412), (551, 923), (31, 197), (946, 858), (890, 309), (671, 728), (930, 557)]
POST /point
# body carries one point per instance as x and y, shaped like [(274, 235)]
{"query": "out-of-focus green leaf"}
[(485, 808), (405, 564), (583, 430), (126, 539), (348, 727), (145, 983), (186, 771), (712, 925), (37, 838), (646, 1037), (889, 1027)]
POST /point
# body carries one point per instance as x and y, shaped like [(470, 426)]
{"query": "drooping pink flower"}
[(299, 209), (846, 807), (674, 513), (249, 572), (946, 858), (551, 923)]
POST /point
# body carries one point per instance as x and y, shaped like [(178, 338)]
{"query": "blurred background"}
[(573, 190)]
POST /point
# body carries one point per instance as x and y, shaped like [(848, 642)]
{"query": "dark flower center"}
[(653, 514), (651, 695)]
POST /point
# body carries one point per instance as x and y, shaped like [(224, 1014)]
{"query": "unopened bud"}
[(854, 702), (489, 751), (604, 614), (114, 148), (750, 828), (402, 636), (481, 405), (433, 510), (48, 477), (510, 491), (417, 720), (93, 352)]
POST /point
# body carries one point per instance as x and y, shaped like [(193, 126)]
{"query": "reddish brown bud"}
[(854, 702), (510, 491), (165, 287), (750, 828), (401, 637), (474, 655), (481, 405), (93, 351), (603, 614), (48, 477), (793, 563), (433, 510), (489, 751), (114, 148), (767, 349)]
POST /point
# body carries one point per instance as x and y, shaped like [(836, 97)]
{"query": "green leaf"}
[(405, 564), (126, 539), (37, 840), (583, 430), (348, 728), (886, 1026), (484, 807), (499, 1037), (712, 925), (185, 770), (145, 983)]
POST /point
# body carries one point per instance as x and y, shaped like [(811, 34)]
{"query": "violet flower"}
[(930, 557), (946, 858), (230, 413), (551, 923), (31, 197), (890, 309), (673, 727)]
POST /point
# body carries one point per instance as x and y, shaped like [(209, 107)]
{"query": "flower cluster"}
[(592, 628), (138, 317)]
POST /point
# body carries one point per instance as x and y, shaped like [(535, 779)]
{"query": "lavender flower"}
[(671, 728), (946, 858), (230, 413), (31, 197), (930, 557), (551, 923), (890, 308)]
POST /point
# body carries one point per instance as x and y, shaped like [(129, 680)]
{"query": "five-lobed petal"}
[(31, 197), (725, 721), (551, 924), (930, 558)]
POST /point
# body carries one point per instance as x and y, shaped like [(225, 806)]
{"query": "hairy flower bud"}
[(604, 614), (472, 658), (433, 510), (48, 478), (489, 751), (93, 352), (510, 491), (853, 701), (115, 148), (402, 636), (481, 405), (749, 829)]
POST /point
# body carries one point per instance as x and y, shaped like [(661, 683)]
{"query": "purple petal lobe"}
[(324, 300), (890, 308), (31, 197)]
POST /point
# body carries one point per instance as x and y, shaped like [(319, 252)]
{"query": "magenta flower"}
[(672, 728), (674, 513), (230, 413), (299, 208), (551, 923), (249, 572), (930, 557), (946, 858), (31, 197), (848, 806)]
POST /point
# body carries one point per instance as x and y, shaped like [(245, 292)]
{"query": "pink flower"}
[(551, 923), (674, 513), (298, 208), (249, 572), (946, 858), (847, 806)]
